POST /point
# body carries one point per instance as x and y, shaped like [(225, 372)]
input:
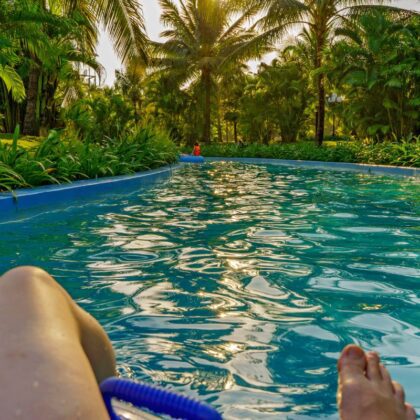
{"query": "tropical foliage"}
[(321, 20), (56, 160), (274, 103), (342, 47), (45, 44), (203, 40), (381, 81), (403, 153), (101, 115)]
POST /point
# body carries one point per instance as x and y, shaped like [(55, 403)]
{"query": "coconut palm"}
[(381, 82), (203, 38), (19, 28), (321, 18), (122, 20), (13, 26), (50, 63), (130, 84)]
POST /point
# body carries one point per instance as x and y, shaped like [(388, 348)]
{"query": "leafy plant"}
[(320, 19), (103, 114), (203, 39), (381, 81), (274, 102), (58, 161), (403, 153)]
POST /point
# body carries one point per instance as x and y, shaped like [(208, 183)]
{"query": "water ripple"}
[(241, 284)]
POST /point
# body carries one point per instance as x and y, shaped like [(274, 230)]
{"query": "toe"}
[(373, 371), (352, 363), (410, 412), (386, 379), (352, 369), (398, 392)]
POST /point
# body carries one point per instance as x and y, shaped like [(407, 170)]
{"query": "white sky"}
[(151, 10)]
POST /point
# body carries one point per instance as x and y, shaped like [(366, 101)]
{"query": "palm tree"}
[(122, 19), (230, 89), (377, 65), (14, 26), (321, 18), (204, 37), (19, 27), (130, 84)]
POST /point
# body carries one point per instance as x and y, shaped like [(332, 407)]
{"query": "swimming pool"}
[(240, 284)]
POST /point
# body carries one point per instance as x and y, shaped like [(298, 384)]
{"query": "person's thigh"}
[(45, 371)]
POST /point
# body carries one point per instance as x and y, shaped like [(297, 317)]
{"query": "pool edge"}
[(24, 199), (54, 194), (341, 166)]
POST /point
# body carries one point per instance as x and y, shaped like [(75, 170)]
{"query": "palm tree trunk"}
[(207, 106), (48, 116), (219, 119), (235, 131), (219, 129), (219, 126), (320, 125), (30, 124), (321, 110)]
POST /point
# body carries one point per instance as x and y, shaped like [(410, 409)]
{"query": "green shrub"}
[(101, 116), (58, 161), (403, 153)]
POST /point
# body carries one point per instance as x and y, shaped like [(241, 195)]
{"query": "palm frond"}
[(354, 12), (13, 82), (124, 21)]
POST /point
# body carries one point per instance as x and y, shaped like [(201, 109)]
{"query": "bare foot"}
[(366, 390)]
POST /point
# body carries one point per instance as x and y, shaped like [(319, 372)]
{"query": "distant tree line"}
[(342, 68)]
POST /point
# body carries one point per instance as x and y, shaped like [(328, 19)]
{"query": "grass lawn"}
[(27, 142)]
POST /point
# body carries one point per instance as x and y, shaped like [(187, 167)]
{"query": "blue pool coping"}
[(338, 166), (87, 189), (24, 199)]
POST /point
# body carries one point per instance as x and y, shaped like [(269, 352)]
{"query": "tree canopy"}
[(202, 81)]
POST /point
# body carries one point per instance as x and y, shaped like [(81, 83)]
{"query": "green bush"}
[(404, 153), (58, 161), (101, 116)]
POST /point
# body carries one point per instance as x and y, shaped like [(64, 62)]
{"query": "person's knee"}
[(26, 279)]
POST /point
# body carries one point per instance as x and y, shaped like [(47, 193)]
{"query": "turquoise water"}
[(240, 284)]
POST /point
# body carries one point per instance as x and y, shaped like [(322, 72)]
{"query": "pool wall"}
[(337, 166), (79, 190)]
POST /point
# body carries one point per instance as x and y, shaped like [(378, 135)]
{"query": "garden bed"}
[(396, 154)]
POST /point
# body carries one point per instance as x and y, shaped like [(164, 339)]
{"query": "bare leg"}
[(366, 391), (52, 354)]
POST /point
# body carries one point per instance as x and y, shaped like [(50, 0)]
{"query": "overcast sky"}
[(151, 12)]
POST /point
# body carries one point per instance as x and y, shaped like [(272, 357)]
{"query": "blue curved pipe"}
[(157, 400)]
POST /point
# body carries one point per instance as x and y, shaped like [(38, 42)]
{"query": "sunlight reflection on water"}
[(241, 284)]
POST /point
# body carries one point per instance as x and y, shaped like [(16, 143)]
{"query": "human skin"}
[(366, 390), (53, 354)]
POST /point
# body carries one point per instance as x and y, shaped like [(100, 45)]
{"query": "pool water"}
[(240, 284)]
